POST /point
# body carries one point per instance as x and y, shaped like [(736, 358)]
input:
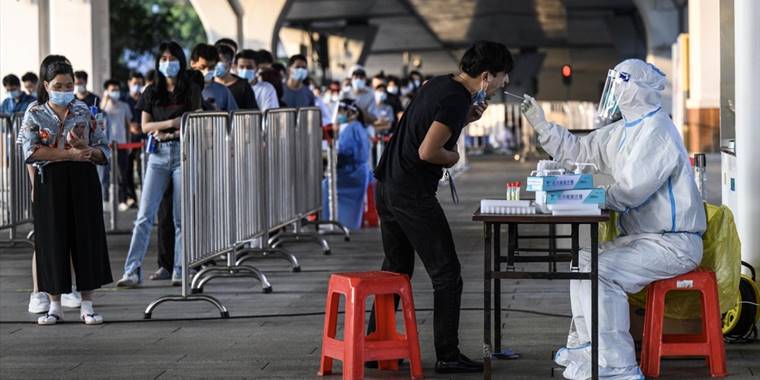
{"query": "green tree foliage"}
[(139, 26)]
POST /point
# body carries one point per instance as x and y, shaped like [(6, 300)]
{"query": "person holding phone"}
[(59, 136)]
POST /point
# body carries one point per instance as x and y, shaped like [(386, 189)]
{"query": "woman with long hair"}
[(162, 105), (60, 137)]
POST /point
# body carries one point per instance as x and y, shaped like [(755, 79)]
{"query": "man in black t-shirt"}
[(411, 219)]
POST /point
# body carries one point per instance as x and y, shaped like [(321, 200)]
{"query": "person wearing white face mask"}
[(295, 94), (81, 92), (362, 95), (119, 116), (247, 64), (204, 58), (383, 111)]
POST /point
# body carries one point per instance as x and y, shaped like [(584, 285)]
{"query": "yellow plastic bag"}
[(722, 254)]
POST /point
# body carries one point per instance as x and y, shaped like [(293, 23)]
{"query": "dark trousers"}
[(126, 178), (166, 231), (69, 229), (412, 222)]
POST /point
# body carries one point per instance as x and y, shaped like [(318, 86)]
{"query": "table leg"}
[(497, 286), (552, 247), (574, 237), (487, 301), (594, 301)]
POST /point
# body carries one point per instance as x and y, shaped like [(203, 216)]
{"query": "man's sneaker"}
[(71, 300), (123, 207), (39, 303), (161, 274), (129, 281)]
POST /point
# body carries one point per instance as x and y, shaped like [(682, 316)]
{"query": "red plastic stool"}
[(708, 343), (385, 345)]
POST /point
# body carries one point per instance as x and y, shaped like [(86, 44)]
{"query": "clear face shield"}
[(608, 111)]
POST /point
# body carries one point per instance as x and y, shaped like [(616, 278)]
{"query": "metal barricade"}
[(250, 190), (307, 185), (15, 185), (280, 166), (206, 203)]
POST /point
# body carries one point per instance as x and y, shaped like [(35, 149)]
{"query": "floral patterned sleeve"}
[(30, 136)]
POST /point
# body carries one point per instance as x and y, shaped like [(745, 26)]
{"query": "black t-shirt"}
[(176, 105), (442, 99), (243, 93), (91, 100)]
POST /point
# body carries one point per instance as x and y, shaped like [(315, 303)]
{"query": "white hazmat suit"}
[(661, 216)]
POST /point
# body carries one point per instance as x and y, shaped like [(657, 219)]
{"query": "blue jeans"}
[(163, 166)]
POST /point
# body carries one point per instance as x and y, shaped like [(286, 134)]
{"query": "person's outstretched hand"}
[(534, 113)]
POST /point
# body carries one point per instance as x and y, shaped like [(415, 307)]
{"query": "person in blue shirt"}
[(17, 100), (295, 93), (353, 166), (204, 59)]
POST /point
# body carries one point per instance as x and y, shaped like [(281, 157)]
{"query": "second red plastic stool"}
[(385, 345), (709, 343)]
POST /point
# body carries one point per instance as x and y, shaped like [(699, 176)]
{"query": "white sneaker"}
[(39, 303), (71, 300), (129, 281), (123, 207)]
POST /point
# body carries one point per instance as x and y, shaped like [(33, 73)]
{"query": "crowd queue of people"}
[(69, 135)]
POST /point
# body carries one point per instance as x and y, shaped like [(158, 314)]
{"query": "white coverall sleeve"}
[(648, 167), (568, 149)]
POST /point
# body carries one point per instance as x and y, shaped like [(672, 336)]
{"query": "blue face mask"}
[(480, 95), (14, 94), (61, 98), (220, 70), (342, 119), (169, 68), (208, 76), (247, 74), (298, 73), (358, 84)]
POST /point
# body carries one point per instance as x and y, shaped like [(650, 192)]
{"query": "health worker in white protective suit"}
[(661, 216)]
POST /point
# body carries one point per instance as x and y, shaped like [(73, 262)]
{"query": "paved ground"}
[(263, 340)]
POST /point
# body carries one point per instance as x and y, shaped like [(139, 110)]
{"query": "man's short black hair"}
[(247, 54), (111, 82), (265, 56), (360, 73), (226, 52), (296, 57), (30, 76), (80, 75), (205, 51), (227, 41), (280, 67), (11, 80), (136, 75), (489, 56)]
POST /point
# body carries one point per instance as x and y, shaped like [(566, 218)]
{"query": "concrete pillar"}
[(219, 19), (261, 22), (703, 103), (747, 53), (20, 35), (79, 30)]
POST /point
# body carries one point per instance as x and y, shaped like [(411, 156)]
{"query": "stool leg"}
[(654, 317), (385, 317), (353, 354), (410, 324), (713, 329), (331, 324)]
